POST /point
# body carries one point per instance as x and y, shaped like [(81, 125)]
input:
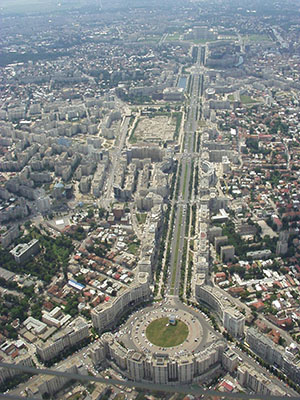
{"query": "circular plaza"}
[(166, 333), (165, 343), (166, 329)]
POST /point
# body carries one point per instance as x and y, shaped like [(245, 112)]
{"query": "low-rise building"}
[(47, 386)]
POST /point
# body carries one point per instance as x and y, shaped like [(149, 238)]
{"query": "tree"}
[(27, 225), (12, 333), (72, 306), (36, 311), (90, 213), (101, 212), (281, 341)]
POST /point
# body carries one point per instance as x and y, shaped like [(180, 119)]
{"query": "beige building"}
[(48, 385), (230, 360), (107, 314), (286, 360), (249, 377), (158, 368), (6, 373), (73, 334), (23, 251), (233, 320)]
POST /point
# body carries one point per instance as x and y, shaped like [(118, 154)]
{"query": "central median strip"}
[(176, 253), (182, 270), (184, 186), (185, 180)]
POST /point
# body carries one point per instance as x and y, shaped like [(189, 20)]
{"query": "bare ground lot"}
[(266, 230), (156, 129)]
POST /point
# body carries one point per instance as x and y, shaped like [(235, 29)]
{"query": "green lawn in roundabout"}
[(163, 334)]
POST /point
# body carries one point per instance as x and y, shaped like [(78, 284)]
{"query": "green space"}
[(132, 138), (227, 37), (53, 256), (141, 218), (174, 36), (258, 38), (178, 117), (202, 41), (120, 396), (133, 248), (150, 39), (176, 254), (131, 121), (183, 268), (185, 177), (244, 99), (161, 333), (247, 99), (235, 239)]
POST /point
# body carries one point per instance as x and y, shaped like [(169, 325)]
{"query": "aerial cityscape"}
[(149, 197)]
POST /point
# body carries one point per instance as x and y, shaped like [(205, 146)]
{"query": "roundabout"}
[(161, 332), (165, 343), (150, 330)]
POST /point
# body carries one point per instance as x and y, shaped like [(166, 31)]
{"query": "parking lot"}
[(133, 333)]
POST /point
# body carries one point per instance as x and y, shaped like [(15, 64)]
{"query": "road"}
[(178, 234), (248, 311), (263, 371), (162, 39), (80, 357), (186, 156), (115, 157)]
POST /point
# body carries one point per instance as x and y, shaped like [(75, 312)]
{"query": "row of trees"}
[(188, 289), (271, 368), (162, 245), (182, 270), (193, 222), (196, 181), (178, 117), (168, 252), (178, 182), (191, 180)]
